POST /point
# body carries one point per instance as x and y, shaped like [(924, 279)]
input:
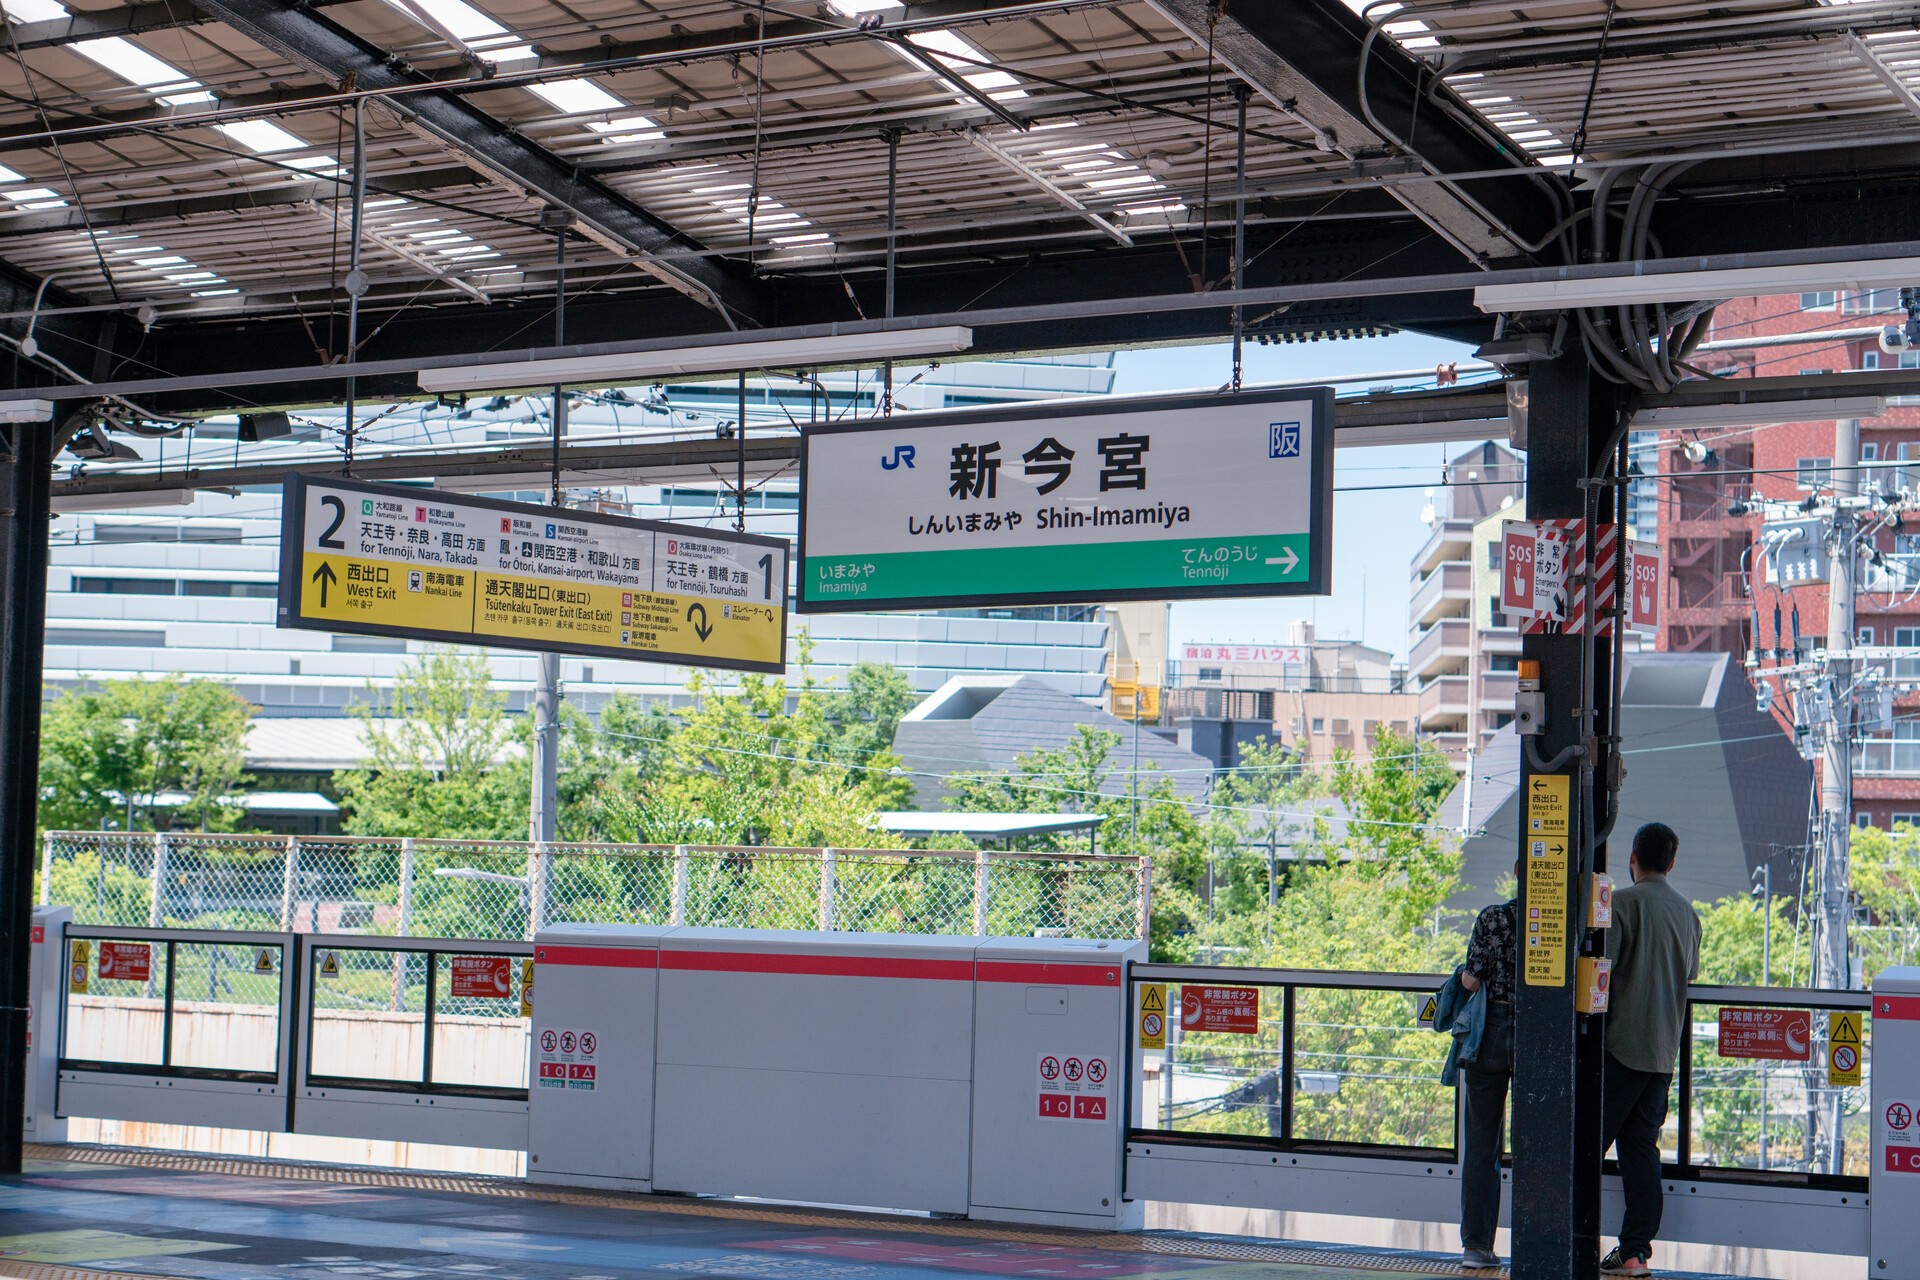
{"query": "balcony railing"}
[(1437, 643), (1446, 592)]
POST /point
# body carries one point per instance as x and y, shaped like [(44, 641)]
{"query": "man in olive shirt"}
[(1654, 944)]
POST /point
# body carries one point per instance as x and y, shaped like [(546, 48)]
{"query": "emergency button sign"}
[(1231, 1010), (481, 977)]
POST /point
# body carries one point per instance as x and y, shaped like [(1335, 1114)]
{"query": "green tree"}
[(435, 755), (107, 752), (1885, 876), (1392, 798)]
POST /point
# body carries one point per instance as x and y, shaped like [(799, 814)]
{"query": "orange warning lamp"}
[(1528, 669)]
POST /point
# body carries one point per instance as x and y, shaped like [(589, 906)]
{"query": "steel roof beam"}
[(122, 215), (1305, 58), (328, 50)]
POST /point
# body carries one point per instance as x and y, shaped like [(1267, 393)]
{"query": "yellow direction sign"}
[(81, 960), (1843, 1048), (1153, 1015), (394, 561), (1546, 948), (1548, 804)]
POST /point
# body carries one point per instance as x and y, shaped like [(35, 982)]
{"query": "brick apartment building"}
[(1716, 592)]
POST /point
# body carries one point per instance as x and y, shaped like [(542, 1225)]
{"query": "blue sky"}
[(1375, 530)]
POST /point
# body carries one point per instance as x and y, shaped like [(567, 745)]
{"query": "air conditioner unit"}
[(1341, 726)]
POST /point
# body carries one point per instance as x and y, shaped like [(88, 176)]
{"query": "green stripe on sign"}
[(1071, 569)]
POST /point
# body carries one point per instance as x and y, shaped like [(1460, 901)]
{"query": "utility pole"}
[(542, 810), (1831, 968)]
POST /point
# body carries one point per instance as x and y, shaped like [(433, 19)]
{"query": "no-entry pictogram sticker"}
[(1049, 1068), (549, 1041)]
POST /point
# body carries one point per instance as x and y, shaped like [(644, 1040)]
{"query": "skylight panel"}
[(461, 18), (949, 50), (8, 175), (33, 10), (35, 198), (860, 8), (261, 136), (577, 96), (628, 129), (132, 63)]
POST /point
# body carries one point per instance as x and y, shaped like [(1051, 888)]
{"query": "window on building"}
[(368, 644), (1870, 451), (1493, 554), (1881, 360), (1862, 820), (1813, 473), (1911, 819), (1495, 617), (1209, 673), (1502, 719), (1866, 302), (1865, 636), (1906, 637), (229, 533), (124, 586), (1820, 301), (107, 636), (1319, 724), (1503, 662), (240, 590)]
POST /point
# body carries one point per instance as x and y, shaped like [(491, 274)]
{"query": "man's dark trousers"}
[(1633, 1110), (1485, 1109)]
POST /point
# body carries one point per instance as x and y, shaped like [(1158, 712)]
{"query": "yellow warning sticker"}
[(1426, 1007), (526, 988), (329, 964), (263, 960), (81, 961), (1843, 1048), (1153, 1015)]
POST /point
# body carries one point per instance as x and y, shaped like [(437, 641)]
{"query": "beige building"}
[(1462, 652), (1321, 696)]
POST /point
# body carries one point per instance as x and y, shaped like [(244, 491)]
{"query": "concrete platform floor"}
[(81, 1212)]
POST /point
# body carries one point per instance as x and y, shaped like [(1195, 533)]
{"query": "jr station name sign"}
[(1152, 499), (400, 561)]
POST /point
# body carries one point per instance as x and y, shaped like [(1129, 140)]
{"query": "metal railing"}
[(1340, 1064), (508, 889)]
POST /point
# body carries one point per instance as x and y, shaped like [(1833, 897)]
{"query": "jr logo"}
[(1283, 440), (902, 454)]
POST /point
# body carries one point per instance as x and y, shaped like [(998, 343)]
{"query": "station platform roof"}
[(80, 1212)]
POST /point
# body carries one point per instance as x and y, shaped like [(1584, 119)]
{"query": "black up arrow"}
[(701, 628), (325, 576)]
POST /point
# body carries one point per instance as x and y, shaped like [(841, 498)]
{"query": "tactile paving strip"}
[(515, 1189)]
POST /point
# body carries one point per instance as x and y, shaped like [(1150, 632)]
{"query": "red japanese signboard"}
[(1643, 604), (1783, 1034), (486, 977), (1233, 1010), (128, 961)]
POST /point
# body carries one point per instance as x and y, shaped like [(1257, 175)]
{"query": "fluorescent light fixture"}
[(1765, 413), (1651, 286), (1391, 433), (720, 357), (67, 504)]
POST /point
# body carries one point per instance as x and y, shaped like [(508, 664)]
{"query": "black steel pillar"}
[(26, 481), (1557, 1051)]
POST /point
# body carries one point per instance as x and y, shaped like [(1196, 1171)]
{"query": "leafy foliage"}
[(107, 752)]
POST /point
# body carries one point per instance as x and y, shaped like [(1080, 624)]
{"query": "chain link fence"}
[(498, 889)]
